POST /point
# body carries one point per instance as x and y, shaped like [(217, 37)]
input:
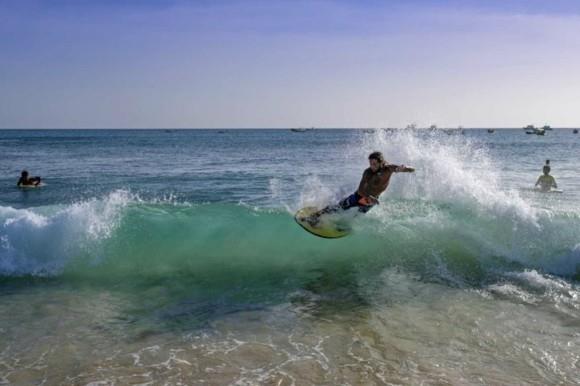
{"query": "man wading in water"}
[(546, 181), (375, 181)]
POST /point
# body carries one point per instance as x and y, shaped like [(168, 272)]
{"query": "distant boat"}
[(490, 130), (575, 131), (546, 127), (536, 132), (530, 129), (299, 130)]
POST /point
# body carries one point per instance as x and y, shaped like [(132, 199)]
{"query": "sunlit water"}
[(154, 257)]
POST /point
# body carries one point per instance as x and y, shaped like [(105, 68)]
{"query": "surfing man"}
[(375, 181), (28, 181), (546, 181)]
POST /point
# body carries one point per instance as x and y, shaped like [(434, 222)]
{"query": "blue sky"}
[(130, 63)]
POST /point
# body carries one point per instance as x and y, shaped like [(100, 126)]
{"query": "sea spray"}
[(42, 241)]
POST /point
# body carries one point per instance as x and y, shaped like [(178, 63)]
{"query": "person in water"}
[(28, 181), (374, 181), (546, 181)]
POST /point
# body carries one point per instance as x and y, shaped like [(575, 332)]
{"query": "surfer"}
[(546, 181), (374, 181), (28, 181)]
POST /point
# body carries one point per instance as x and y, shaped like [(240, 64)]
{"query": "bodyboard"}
[(26, 187), (327, 225)]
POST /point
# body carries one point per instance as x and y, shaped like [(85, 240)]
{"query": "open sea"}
[(157, 257)]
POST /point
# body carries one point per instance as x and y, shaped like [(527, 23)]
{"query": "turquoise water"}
[(172, 256)]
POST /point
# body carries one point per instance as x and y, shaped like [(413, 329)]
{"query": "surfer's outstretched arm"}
[(404, 169)]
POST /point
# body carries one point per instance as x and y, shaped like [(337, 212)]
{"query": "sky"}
[(292, 63)]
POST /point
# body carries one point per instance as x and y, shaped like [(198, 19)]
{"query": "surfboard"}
[(31, 186), (327, 226)]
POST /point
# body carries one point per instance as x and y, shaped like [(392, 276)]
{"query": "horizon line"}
[(309, 128)]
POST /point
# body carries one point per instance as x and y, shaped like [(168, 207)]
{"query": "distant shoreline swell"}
[(121, 236)]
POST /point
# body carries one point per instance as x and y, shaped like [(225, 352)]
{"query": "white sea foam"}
[(41, 241), (448, 169), (316, 193)]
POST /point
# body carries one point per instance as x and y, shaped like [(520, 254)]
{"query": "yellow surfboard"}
[(327, 226)]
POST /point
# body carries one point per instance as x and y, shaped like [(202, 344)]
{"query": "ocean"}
[(172, 257)]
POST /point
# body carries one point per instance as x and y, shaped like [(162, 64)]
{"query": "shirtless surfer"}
[(546, 181), (375, 181), (25, 181)]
